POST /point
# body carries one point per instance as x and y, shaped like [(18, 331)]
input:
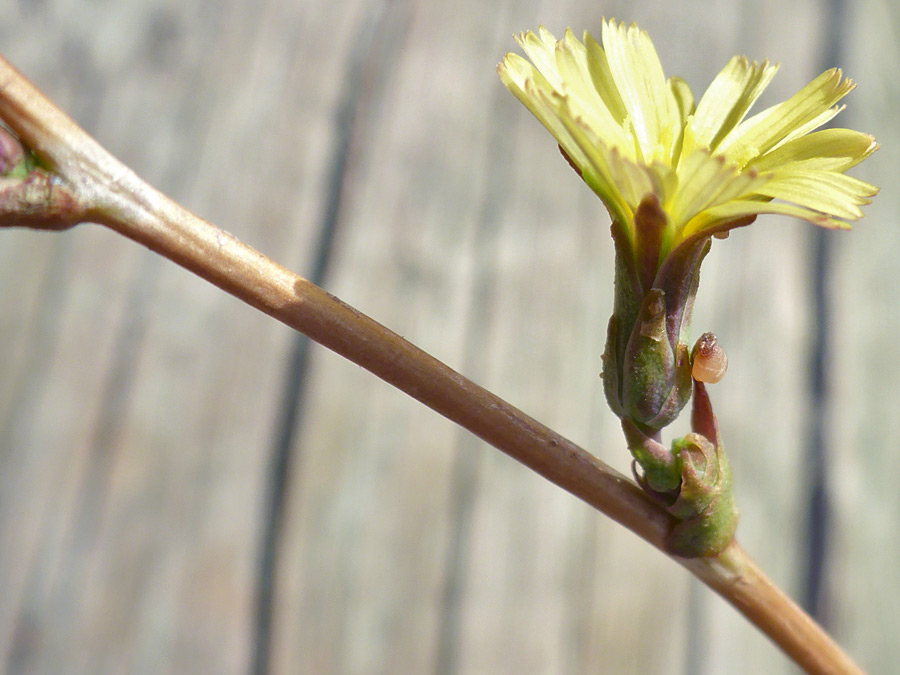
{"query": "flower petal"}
[(804, 129), (728, 99), (836, 194), (684, 99), (535, 93), (762, 132), (594, 164), (603, 79), (623, 183), (583, 97), (639, 78), (718, 218), (542, 52), (826, 150), (524, 81), (705, 181)]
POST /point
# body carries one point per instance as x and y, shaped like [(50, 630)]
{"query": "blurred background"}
[(187, 486)]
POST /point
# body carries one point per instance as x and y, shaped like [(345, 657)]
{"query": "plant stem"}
[(105, 191)]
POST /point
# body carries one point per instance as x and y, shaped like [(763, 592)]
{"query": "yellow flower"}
[(672, 173), (635, 136)]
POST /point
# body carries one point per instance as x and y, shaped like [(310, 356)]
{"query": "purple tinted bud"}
[(12, 154)]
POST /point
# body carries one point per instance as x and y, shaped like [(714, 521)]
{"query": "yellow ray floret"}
[(632, 133)]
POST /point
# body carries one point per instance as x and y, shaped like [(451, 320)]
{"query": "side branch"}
[(96, 187)]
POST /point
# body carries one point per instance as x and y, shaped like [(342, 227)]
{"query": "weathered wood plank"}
[(863, 577), (143, 453)]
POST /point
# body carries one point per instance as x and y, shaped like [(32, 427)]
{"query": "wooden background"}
[(370, 144)]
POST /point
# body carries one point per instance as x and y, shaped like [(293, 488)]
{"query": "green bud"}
[(701, 478), (692, 481), (656, 374), (646, 364), (705, 504)]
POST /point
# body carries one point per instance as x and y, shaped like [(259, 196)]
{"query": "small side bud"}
[(705, 504), (32, 196), (709, 360), (700, 475), (12, 155), (692, 481)]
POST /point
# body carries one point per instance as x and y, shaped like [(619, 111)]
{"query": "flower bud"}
[(709, 361), (692, 481), (656, 377), (705, 504), (647, 364)]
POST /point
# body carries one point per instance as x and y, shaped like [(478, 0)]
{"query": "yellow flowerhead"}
[(672, 173), (634, 135)]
